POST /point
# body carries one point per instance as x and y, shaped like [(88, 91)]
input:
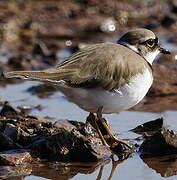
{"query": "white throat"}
[(150, 57)]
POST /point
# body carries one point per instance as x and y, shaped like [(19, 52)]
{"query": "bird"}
[(105, 78)]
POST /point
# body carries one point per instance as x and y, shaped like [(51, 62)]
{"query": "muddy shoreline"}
[(30, 143)]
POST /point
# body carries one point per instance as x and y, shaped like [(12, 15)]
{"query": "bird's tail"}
[(45, 75)]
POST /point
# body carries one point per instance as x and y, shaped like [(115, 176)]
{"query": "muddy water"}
[(58, 107)]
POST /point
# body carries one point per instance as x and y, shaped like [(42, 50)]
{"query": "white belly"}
[(112, 102)]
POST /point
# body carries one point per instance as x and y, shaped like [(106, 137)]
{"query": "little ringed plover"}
[(105, 78)]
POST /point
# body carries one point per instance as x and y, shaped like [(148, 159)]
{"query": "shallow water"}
[(58, 107)]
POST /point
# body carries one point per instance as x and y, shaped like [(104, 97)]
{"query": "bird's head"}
[(144, 42)]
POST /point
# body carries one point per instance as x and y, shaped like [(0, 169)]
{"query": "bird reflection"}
[(115, 163)]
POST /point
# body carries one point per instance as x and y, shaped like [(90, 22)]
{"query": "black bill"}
[(164, 51)]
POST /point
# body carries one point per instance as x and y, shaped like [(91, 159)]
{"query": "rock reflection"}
[(15, 172), (64, 171), (166, 165)]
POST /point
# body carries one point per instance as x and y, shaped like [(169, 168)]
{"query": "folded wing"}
[(93, 66)]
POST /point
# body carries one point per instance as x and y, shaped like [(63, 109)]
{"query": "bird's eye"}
[(150, 42)]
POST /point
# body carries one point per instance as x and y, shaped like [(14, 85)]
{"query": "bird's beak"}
[(164, 51)]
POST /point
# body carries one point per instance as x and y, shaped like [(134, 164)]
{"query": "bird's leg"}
[(95, 125), (112, 136)]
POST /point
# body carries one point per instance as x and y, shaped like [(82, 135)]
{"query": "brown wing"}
[(95, 65), (101, 65)]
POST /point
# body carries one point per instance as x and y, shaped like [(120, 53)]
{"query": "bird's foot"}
[(120, 141)]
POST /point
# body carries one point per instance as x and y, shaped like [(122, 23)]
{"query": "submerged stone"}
[(161, 143)]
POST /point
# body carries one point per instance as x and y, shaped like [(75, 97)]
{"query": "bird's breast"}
[(114, 101), (137, 87), (126, 96)]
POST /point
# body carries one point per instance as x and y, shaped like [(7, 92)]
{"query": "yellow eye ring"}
[(150, 43)]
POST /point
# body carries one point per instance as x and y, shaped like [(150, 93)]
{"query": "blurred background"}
[(38, 34)]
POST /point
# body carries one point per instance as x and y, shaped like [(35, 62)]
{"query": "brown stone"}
[(63, 140), (71, 145), (15, 157), (161, 143)]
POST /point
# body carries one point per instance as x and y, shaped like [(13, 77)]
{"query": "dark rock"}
[(149, 127), (161, 143), (85, 129), (6, 142), (70, 145), (11, 131), (63, 140), (8, 110), (15, 157)]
